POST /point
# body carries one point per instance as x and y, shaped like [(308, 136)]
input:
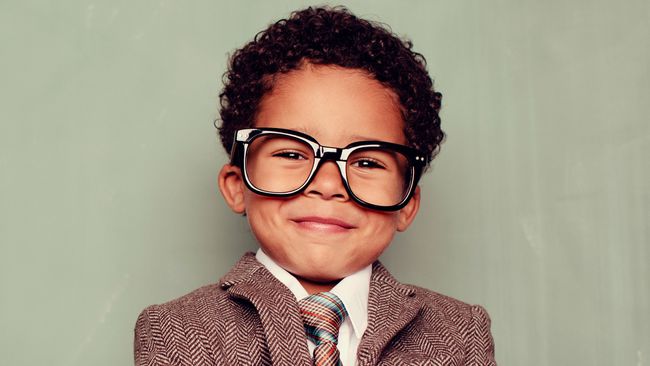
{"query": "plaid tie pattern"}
[(323, 313)]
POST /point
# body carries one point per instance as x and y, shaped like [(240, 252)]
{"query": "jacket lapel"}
[(391, 306), (277, 308)]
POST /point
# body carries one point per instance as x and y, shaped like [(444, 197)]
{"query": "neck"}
[(314, 287)]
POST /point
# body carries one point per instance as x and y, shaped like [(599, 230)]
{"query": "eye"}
[(367, 163), (290, 155)]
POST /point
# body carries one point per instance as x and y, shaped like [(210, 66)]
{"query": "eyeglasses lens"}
[(378, 176), (277, 163), (281, 164)]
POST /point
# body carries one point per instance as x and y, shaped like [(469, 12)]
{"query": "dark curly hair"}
[(332, 36)]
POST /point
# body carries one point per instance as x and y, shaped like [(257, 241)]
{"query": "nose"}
[(327, 183)]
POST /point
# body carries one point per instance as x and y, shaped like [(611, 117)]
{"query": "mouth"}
[(323, 224)]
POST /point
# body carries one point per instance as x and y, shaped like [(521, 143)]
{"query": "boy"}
[(330, 121)]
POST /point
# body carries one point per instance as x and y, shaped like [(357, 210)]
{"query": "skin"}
[(337, 106)]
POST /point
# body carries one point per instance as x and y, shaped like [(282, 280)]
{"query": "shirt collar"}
[(282, 275), (352, 290)]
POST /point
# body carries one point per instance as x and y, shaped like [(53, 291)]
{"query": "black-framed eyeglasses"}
[(280, 163)]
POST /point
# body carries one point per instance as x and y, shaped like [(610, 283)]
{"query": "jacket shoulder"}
[(172, 332), (187, 308), (450, 308), (189, 300), (442, 303), (469, 325)]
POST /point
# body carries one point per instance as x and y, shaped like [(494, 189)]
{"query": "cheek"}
[(255, 205), (255, 208), (249, 198), (380, 222), (263, 215)]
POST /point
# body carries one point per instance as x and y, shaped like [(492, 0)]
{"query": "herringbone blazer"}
[(250, 318)]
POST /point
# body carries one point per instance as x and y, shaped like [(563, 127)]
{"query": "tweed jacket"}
[(250, 318)]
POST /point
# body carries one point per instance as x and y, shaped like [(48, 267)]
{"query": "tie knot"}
[(323, 313)]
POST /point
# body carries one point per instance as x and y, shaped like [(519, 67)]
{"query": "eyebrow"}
[(354, 137), (364, 138), (304, 130)]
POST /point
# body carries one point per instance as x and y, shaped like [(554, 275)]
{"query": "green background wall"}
[(538, 206)]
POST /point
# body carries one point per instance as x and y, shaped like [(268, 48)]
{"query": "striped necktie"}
[(323, 313)]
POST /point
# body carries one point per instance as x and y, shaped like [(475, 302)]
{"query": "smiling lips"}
[(323, 224)]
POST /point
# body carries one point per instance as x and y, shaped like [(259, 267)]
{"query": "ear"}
[(231, 185), (407, 214)]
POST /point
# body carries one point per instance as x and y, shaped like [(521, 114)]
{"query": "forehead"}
[(335, 105)]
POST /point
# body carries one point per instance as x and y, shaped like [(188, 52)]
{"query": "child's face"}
[(320, 234)]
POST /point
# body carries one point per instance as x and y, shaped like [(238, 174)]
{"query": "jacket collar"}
[(277, 308), (243, 270), (391, 307)]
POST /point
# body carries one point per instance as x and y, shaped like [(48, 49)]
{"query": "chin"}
[(323, 278), (323, 274)]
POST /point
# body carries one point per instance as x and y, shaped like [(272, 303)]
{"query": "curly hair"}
[(332, 36)]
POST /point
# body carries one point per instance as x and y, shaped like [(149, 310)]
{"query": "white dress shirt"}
[(352, 290)]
